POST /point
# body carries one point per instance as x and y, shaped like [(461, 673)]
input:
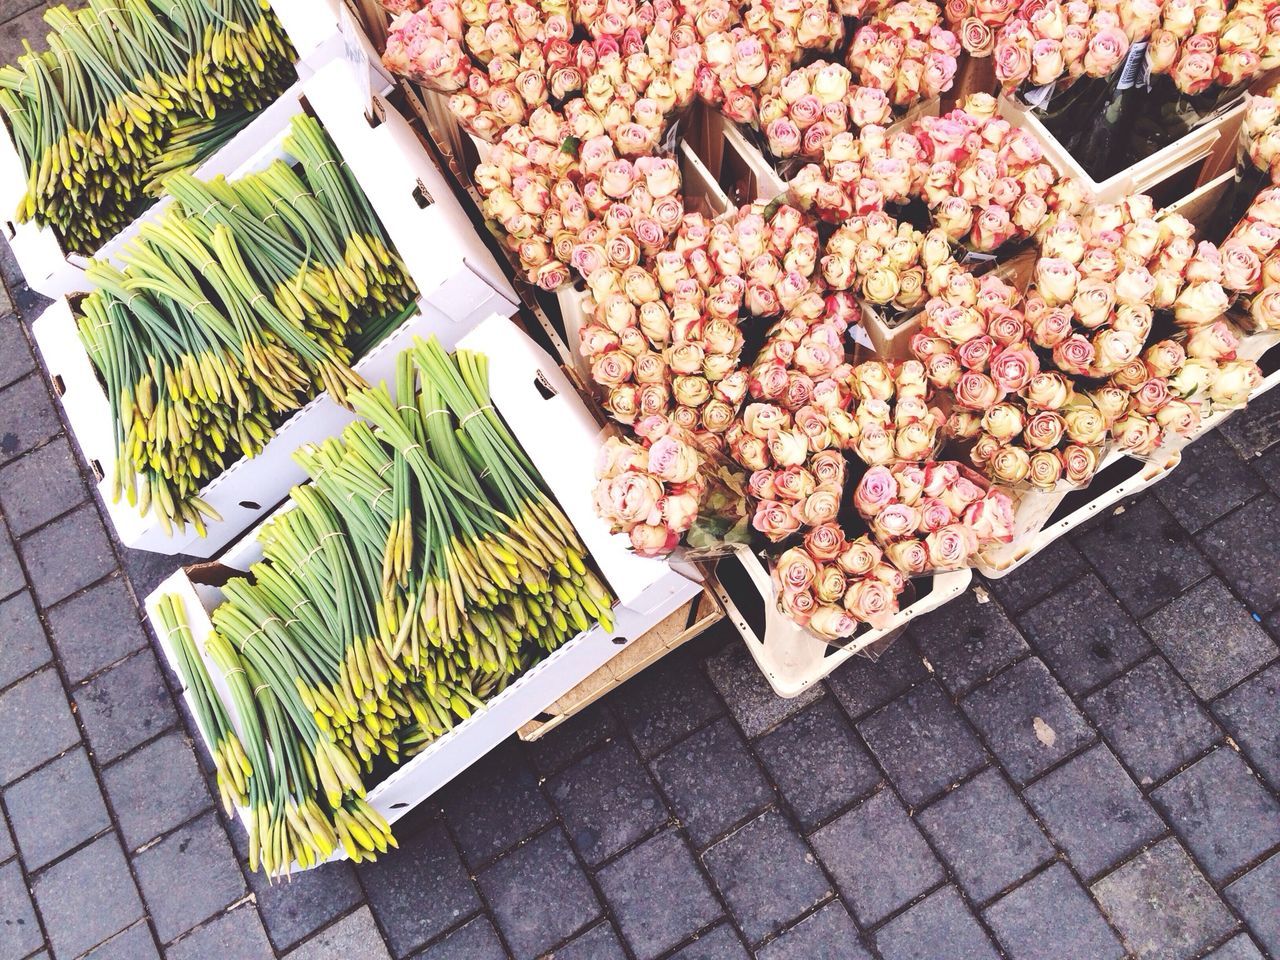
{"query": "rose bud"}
[(992, 228), (976, 391), (1084, 425), (872, 601), (1056, 280), (1235, 382), (1009, 465), (1044, 430), (1216, 341), (1074, 355), (1044, 470), (1179, 417), (775, 520)]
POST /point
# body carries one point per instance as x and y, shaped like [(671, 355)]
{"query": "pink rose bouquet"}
[(650, 492), (932, 516), (890, 419), (813, 104), (833, 585), (906, 52)]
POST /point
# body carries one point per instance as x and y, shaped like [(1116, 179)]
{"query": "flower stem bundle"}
[(421, 570), (240, 304), (129, 91)]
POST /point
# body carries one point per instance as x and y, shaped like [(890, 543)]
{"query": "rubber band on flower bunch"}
[(933, 516)]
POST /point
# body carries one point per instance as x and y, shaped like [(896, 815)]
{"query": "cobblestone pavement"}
[(1078, 762)]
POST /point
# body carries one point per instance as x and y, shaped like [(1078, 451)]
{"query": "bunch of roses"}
[(592, 209), (975, 22), (746, 54), (1174, 385), (832, 584), (932, 516), (858, 174), (985, 180), (800, 489), (1260, 133), (1259, 232), (891, 419), (802, 360), (812, 105), (650, 491), (1200, 43), (1072, 40), (888, 264), (906, 52)]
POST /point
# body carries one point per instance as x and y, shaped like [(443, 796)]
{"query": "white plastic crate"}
[(456, 294), (791, 658), (1058, 512), (559, 434), (1143, 175)]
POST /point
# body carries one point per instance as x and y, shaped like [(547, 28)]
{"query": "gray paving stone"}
[(1254, 896), (607, 800), (309, 901), (38, 707), (1051, 918), (565, 901), (1251, 713), (667, 701), (156, 788), (1084, 635), (77, 534), (27, 417), (878, 858), (657, 895), (422, 890), (555, 750), (712, 781), (1052, 568), (15, 352), (494, 805), (826, 934), (197, 849), (1162, 906), (94, 629), (12, 578), (1242, 545), (66, 785), (940, 925), (25, 647), (1210, 481), (135, 943), (7, 849), (598, 943), (923, 743), (721, 943), (237, 933), (19, 929), (967, 641), (861, 684), (40, 486), (1094, 811), (1152, 720), (1027, 719), (29, 26), (767, 875), (985, 834), (126, 706), (818, 762), (1145, 554), (354, 937), (474, 940), (1223, 814), (1210, 638), (750, 698), (1255, 429), (1268, 466), (87, 897), (1239, 947)]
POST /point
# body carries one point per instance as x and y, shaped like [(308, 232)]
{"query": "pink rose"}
[(875, 491)]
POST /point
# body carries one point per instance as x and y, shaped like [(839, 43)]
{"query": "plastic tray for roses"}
[(791, 658), (1143, 175), (1041, 517)]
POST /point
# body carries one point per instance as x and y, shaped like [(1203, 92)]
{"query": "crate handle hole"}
[(250, 504), (59, 385), (96, 467), (620, 641), (398, 806), (10, 229), (544, 386)]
